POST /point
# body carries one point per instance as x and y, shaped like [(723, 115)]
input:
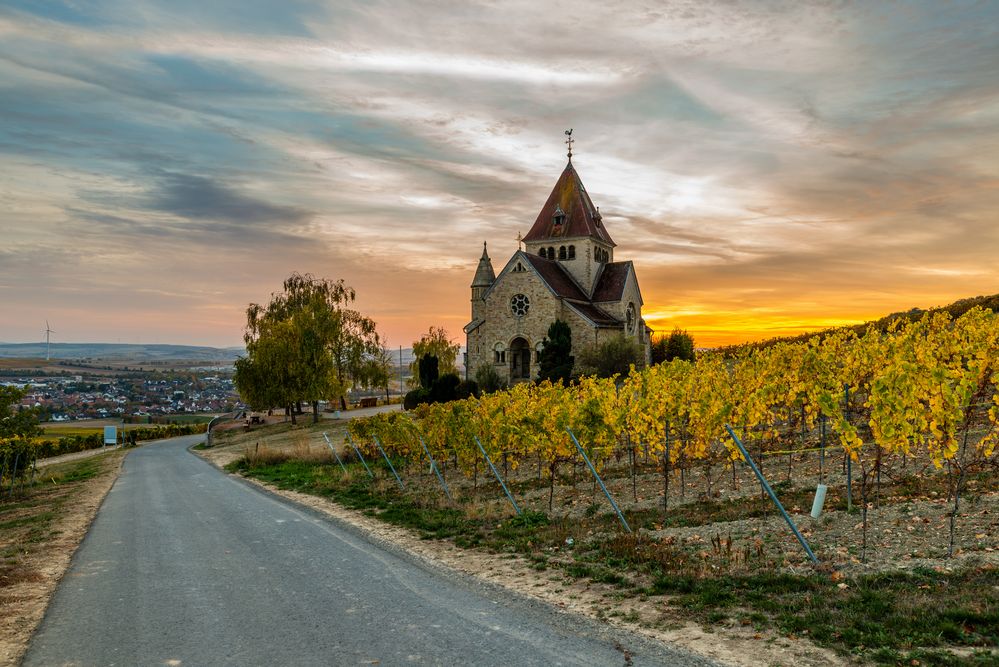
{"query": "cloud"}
[(198, 198), (768, 165)]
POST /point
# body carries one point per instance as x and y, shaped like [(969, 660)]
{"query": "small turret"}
[(484, 275), (484, 279)]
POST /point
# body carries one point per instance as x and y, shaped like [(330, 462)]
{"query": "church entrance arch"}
[(520, 359)]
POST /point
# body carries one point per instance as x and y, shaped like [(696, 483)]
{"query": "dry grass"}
[(298, 446), (40, 528)]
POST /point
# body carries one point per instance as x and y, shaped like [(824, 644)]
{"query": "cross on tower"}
[(569, 142)]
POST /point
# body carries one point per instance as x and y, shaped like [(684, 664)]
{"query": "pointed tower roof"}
[(568, 212), (484, 275)]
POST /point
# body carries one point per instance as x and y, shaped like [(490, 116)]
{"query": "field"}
[(92, 426)]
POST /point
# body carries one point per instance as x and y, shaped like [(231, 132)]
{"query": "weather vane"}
[(569, 142)]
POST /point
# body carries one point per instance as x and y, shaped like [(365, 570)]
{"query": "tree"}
[(22, 423), (307, 344), (437, 343), (378, 370), (488, 380), (614, 356), (555, 361), (677, 345), (429, 370)]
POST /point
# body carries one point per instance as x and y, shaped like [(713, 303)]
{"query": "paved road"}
[(187, 566)]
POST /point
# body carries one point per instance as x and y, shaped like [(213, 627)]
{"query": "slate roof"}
[(484, 274), (556, 277), (570, 198), (565, 287), (595, 314), (610, 284)]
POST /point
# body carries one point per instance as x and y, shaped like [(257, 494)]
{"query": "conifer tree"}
[(555, 362)]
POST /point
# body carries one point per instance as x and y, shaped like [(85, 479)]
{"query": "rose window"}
[(520, 304)]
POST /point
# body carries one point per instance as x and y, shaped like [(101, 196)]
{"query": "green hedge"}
[(24, 452)]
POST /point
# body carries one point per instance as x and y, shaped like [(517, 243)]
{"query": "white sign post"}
[(110, 435)]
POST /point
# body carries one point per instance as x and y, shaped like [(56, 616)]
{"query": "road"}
[(185, 565)]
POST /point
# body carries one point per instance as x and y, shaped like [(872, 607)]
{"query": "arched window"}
[(551, 252), (561, 252), (572, 252), (543, 253)]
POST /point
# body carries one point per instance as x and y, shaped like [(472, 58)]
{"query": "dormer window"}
[(558, 218)]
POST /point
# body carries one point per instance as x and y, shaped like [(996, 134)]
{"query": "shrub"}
[(445, 388), (467, 389), (416, 397), (613, 357), (488, 380), (677, 345)]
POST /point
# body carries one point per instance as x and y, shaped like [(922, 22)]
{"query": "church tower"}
[(569, 230), (483, 280)]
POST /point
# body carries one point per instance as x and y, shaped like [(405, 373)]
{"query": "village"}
[(131, 396)]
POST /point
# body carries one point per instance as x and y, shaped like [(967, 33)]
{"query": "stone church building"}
[(564, 270)]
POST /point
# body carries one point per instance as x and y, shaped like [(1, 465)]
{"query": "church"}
[(564, 269)]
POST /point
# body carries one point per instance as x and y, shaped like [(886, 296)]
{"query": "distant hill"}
[(955, 309), (119, 352)]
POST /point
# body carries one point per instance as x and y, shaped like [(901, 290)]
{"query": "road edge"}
[(607, 629), (21, 642)]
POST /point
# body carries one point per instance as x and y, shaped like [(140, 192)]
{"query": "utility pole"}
[(401, 392)]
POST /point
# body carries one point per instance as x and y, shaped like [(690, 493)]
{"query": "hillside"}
[(955, 309), (119, 352)]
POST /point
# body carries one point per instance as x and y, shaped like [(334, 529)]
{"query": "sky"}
[(771, 167)]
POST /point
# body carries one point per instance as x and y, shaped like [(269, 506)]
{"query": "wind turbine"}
[(47, 332)]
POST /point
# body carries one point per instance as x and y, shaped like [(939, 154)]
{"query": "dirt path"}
[(34, 561)]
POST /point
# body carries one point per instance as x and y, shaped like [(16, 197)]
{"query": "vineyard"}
[(919, 399), (18, 457), (900, 426)]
